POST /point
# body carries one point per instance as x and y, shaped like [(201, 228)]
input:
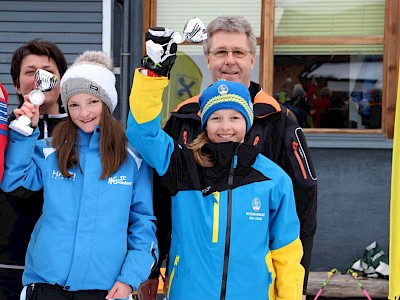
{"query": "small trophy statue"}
[(44, 82), (194, 32)]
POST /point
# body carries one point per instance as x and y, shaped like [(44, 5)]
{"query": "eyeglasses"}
[(222, 53)]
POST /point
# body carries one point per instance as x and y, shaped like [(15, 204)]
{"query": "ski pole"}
[(330, 274), (355, 275)]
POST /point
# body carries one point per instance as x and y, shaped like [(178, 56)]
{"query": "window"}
[(335, 82), (348, 47), (174, 14)]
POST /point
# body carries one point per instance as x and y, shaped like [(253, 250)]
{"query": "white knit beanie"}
[(90, 74)]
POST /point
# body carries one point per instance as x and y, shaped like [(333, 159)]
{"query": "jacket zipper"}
[(45, 129), (295, 146), (32, 288), (228, 226)]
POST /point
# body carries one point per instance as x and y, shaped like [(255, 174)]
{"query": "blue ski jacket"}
[(92, 232), (235, 231)]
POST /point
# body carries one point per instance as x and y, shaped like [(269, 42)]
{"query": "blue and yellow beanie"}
[(226, 95)]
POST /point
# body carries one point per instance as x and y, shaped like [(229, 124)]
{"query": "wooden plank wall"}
[(74, 25)]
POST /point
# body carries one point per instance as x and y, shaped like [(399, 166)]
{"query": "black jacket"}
[(20, 209), (278, 136)]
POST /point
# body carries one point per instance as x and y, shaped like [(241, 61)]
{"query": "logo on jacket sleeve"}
[(255, 215)]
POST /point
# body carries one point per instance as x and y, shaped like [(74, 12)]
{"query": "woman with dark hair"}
[(20, 209), (38, 54)]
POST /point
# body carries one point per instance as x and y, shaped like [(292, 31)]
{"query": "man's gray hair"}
[(230, 24)]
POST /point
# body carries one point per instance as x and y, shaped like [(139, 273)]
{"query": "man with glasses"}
[(223, 53), (230, 52)]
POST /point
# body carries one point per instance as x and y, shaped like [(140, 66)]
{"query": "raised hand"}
[(160, 50)]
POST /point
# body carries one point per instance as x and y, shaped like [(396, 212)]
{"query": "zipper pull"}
[(185, 137), (30, 288), (297, 149), (256, 140), (45, 129), (295, 145)]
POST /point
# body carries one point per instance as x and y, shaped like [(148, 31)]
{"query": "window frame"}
[(390, 61)]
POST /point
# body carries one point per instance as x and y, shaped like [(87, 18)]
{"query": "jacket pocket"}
[(36, 238), (300, 159)]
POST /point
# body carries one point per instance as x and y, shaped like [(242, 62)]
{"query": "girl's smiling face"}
[(226, 125), (85, 111)]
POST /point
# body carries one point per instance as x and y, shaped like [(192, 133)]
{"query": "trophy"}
[(194, 32), (44, 82)]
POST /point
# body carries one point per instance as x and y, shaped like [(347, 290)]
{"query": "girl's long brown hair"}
[(203, 159), (112, 144)]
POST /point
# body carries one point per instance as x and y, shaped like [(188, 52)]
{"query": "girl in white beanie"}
[(96, 236)]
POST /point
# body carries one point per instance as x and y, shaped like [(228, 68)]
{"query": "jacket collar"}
[(224, 152), (85, 138), (254, 89)]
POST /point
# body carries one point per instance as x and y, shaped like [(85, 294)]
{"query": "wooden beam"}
[(390, 66), (153, 13), (149, 11), (342, 131), (344, 285), (326, 40), (267, 45)]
